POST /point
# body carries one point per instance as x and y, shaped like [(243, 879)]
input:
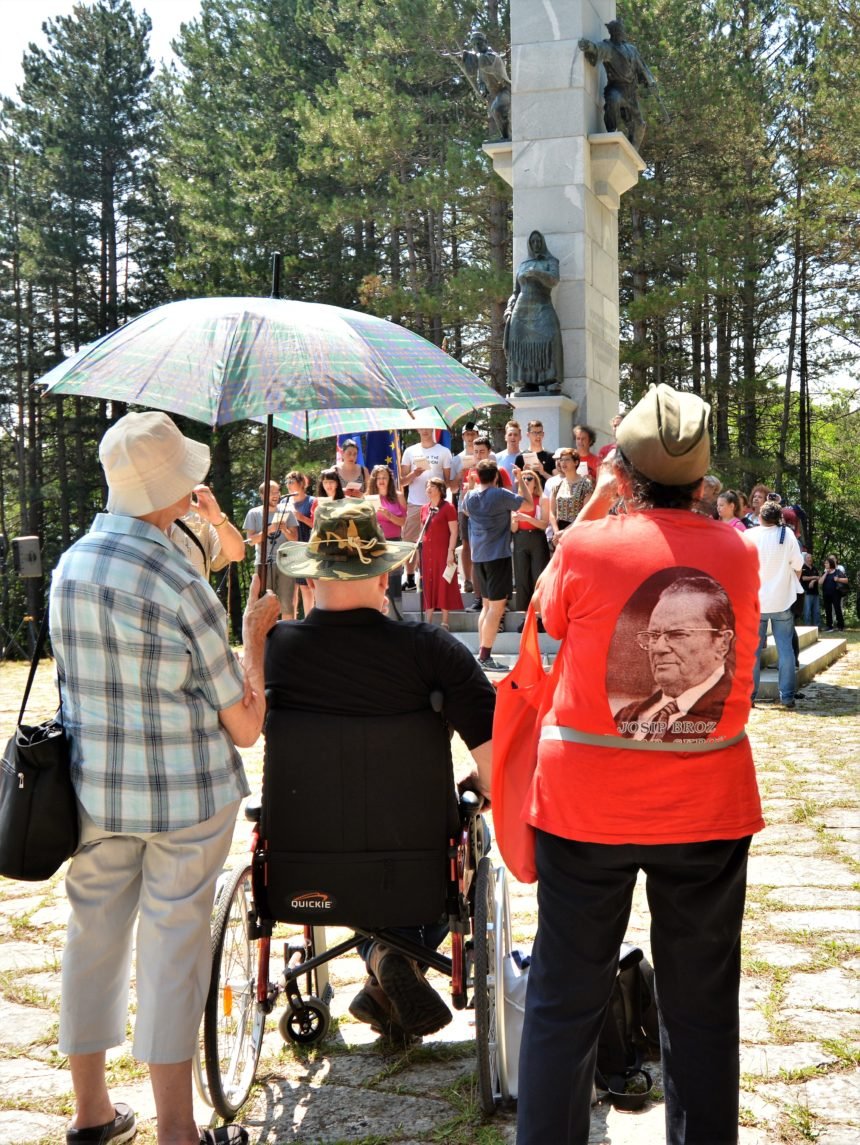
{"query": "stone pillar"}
[(568, 174)]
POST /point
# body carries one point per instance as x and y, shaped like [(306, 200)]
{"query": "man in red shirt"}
[(660, 603)]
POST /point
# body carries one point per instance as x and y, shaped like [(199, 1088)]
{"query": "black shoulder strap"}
[(781, 533), (190, 533), (34, 663)]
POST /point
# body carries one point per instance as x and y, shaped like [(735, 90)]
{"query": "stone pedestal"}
[(556, 411), (568, 176)]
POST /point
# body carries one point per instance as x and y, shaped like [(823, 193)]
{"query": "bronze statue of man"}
[(485, 69), (532, 338), (625, 73)]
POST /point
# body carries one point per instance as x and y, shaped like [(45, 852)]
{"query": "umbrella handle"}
[(267, 479)]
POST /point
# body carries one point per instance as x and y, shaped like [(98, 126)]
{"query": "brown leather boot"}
[(415, 1005), (371, 1005)]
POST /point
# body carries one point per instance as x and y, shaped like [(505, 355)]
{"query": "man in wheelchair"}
[(361, 706)]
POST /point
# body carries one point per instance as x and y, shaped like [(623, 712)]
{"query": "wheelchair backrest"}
[(357, 813)]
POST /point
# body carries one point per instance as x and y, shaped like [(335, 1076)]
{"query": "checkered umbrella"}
[(219, 360)]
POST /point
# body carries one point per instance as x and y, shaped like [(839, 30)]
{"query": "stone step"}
[(816, 652), (814, 658), (806, 636)]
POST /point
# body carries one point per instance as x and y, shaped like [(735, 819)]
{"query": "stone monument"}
[(568, 174)]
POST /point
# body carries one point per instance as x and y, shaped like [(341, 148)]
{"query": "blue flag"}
[(381, 449)]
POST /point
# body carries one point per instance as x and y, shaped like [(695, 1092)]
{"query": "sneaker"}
[(786, 704), (476, 607), (122, 1128), (491, 665), (415, 1005), (409, 584)]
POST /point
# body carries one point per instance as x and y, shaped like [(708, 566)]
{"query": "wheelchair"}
[(362, 863)]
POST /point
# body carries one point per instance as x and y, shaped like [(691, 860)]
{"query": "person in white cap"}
[(155, 704), (659, 602)]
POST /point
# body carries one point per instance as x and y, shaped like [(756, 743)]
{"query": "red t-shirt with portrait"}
[(660, 614)]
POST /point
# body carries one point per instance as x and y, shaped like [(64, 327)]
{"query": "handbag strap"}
[(34, 663)]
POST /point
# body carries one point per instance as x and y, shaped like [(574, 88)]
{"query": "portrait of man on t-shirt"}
[(684, 658)]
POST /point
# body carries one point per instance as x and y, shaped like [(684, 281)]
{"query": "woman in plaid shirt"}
[(155, 704)]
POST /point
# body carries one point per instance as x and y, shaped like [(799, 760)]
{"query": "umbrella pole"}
[(267, 477)]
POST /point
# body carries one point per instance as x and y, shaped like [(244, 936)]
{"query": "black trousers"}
[(696, 896), (833, 604), (531, 556)]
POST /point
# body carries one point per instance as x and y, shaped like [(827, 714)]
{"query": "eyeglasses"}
[(531, 480), (672, 636)]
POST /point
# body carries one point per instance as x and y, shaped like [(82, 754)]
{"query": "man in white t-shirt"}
[(426, 459), (513, 440)]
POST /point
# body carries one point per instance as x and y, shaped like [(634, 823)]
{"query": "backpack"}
[(630, 1033)]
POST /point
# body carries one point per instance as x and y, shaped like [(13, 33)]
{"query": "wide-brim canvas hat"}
[(665, 436), (346, 543), (149, 464)]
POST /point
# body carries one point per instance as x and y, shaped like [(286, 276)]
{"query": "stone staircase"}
[(817, 651)]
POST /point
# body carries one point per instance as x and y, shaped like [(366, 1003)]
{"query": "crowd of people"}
[(422, 497)]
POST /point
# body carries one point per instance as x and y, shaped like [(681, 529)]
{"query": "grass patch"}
[(15, 989), (796, 1124), (847, 1054), (125, 1069), (469, 1124)]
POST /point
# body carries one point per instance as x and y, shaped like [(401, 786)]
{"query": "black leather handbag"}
[(39, 824)]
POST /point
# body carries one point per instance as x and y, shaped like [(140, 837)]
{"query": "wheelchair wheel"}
[(233, 1023), (492, 943), (305, 1024)]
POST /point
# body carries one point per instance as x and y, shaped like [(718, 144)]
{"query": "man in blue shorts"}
[(489, 511)]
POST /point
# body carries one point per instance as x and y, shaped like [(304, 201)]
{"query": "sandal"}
[(225, 1135), (447, 627)]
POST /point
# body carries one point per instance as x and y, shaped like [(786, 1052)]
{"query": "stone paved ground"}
[(800, 996)]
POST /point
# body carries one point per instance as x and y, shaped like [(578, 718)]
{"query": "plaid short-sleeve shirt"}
[(145, 667)]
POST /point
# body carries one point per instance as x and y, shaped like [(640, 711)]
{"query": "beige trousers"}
[(164, 882)]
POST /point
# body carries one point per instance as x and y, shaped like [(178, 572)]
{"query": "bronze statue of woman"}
[(532, 338)]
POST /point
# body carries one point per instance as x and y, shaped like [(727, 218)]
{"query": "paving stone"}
[(28, 956), (837, 1135), (835, 1099), (828, 921), (814, 897), (346, 1114), (840, 817), (822, 1024), (778, 954), (20, 907), (793, 871), (21, 1078), (55, 915), (777, 834), (831, 989), (850, 849), (767, 1061), (21, 1025), (20, 1127)]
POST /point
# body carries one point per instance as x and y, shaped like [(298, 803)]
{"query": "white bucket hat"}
[(149, 464)]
